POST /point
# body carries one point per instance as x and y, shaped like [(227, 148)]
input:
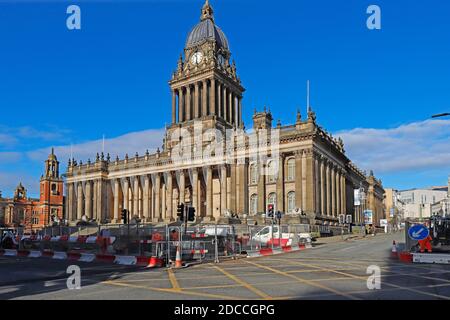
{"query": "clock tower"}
[(205, 86)]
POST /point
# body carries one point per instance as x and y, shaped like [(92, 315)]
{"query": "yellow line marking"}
[(305, 281), (394, 273), (365, 278), (245, 284), (189, 293), (173, 280)]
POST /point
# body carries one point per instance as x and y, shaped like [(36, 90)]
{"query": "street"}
[(330, 270)]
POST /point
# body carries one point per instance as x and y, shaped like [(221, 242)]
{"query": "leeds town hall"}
[(209, 161)]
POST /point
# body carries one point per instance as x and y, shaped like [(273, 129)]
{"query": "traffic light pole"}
[(185, 214)]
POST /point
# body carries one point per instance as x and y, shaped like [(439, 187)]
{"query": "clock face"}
[(197, 58)]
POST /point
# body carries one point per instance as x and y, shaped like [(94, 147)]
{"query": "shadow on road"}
[(26, 277)]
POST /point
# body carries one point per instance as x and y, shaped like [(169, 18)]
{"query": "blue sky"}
[(61, 87)]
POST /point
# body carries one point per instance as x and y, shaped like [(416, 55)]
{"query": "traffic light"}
[(180, 211), (124, 215), (270, 210), (279, 215), (191, 214)]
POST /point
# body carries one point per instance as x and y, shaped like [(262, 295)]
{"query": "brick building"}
[(34, 214)]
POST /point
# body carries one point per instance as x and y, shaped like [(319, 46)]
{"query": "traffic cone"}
[(394, 250), (178, 262)]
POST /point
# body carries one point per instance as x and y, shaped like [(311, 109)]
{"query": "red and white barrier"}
[(270, 251), (79, 256)]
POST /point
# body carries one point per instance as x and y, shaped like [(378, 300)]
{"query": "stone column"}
[(116, 200), (126, 189), (146, 198), (136, 197), (224, 103), (219, 100), (240, 111), (223, 189), (169, 202), (70, 203), (174, 106), (236, 110), (261, 187), (163, 201), (158, 213), (182, 187), (322, 187), (242, 175), (95, 200), (209, 193), (298, 180), (338, 192), (232, 188), (212, 97), (280, 184), (181, 106), (317, 184), (333, 191), (196, 101), (195, 189), (230, 106), (205, 98), (101, 205), (188, 102), (79, 201), (88, 200), (343, 194), (328, 189)]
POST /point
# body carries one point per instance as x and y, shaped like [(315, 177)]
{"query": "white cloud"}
[(416, 146), (129, 144)]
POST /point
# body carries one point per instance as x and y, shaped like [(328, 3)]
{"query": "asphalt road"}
[(336, 270)]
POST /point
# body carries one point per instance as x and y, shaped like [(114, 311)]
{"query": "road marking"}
[(305, 281), (189, 293), (173, 280), (394, 273), (365, 278), (245, 284)]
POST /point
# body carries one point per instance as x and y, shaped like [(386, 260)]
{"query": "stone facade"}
[(212, 163), (34, 214)]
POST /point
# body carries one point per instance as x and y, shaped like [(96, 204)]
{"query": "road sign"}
[(391, 212), (348, 218), (418, 232), (383, 222), (368, 217)]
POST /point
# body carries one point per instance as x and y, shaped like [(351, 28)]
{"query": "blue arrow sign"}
[(418, 232)]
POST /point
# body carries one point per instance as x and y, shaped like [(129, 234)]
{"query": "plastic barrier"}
[(59, 255), (10, 253), (35, 254), (125, 260), (87, 257)]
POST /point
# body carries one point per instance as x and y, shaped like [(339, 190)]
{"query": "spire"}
[(207, 12)]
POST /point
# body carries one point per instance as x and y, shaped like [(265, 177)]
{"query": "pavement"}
[(331, 270)]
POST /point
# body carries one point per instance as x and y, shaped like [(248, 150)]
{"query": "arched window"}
[(253, 173), (290, 174), (290, 201), (272, 199), (253, 203), (271, 172)]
